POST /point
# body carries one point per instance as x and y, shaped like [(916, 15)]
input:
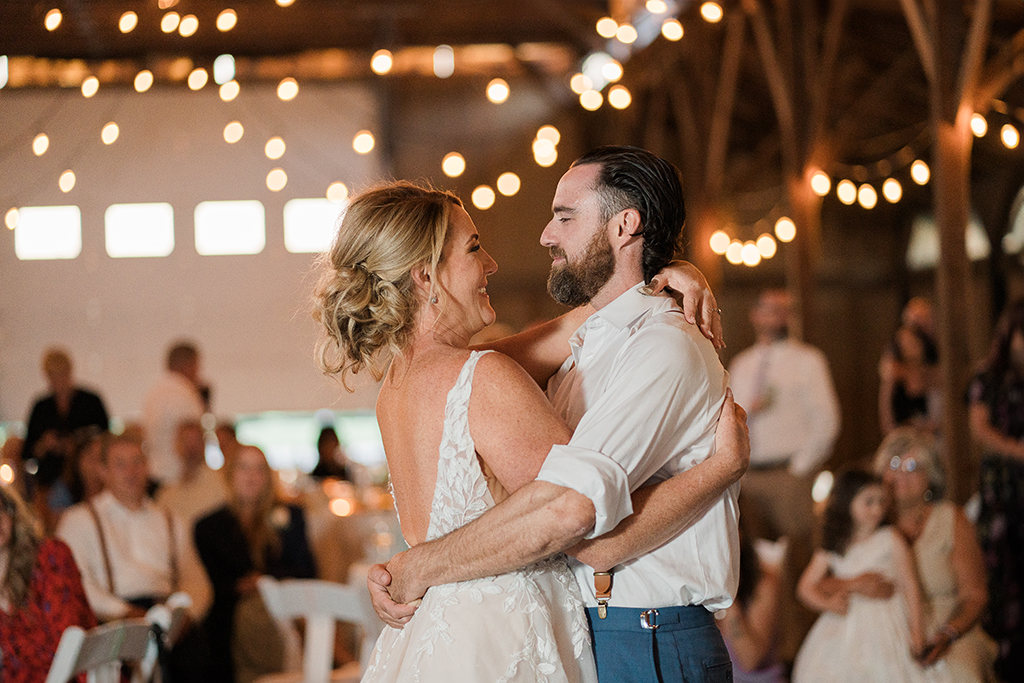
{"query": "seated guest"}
[(200, 490), (83, 475), (134, 554), (253, 534), (40, 594), (949, 561), (332, 461)]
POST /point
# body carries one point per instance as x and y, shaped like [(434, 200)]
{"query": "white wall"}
[(117, 316)]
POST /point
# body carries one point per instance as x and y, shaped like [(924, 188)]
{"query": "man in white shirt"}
[(173, 399), (643, 390), (793, 411), (134, 554), (200, 490)]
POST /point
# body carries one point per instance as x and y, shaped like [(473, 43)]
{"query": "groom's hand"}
[(392, 613)]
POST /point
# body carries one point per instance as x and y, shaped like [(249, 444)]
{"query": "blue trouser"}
[(685, 647)]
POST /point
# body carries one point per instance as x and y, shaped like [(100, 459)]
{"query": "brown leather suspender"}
[(106, 554), (603, 592)]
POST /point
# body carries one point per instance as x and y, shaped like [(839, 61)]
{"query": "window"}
[(236, 227), (48, 232), (923, 250), (309, 224), (137, 230)]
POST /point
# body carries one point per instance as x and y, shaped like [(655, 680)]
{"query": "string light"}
[(626, 34), (508, 184), (40, 144), (188, 26), (591, 100), (619, 97), (337, 192), (233, 132), (785, 229), (867, 197), (847, 192), (53, 19), (750, 254), (143, 80), (223, 69), (229, 91), (892, 190), (285, 3), (363, 142), (109, 133), (1010, 136), (549, 133), (444, 61), (766, 246), (287, 89), (656, 6), (169, 23), (128, 22), (734, 254), (498, 91), (381, 62), (67, 181), (226, 20), (11, 219), (719, 242), (453, 164), (712, 12), (198, 78), (612, 70), (820, 183), (483, 197), (920, 172), (276, 180), (274, 149), (979, 126), (580, 83), (90, 86), (606, 27), (672, 29)]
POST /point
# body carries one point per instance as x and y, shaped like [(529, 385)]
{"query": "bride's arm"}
[(542, 349)]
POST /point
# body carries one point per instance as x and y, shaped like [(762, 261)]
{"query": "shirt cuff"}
[(595, 476)]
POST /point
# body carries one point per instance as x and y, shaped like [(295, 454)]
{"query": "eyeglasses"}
[(902, 464)]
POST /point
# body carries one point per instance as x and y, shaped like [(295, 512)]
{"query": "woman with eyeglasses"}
[(41, 594), (949, 561)]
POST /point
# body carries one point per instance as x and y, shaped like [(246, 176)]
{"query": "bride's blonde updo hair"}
[(365, 298)]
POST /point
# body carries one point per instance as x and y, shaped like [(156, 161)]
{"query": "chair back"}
[(321, 604), (99, 651)]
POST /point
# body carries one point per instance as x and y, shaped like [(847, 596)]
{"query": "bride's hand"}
[(690, 289), (732, 438), (392, 613)]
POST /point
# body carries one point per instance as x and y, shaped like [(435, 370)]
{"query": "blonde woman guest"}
[(949, 561), (41, 594), (252, 535)]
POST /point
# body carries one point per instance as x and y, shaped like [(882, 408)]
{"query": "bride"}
[(403, 289)]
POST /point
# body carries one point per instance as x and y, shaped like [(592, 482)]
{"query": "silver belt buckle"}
[(649, 619)]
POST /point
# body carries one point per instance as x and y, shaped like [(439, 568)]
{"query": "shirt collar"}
[(629, 306)]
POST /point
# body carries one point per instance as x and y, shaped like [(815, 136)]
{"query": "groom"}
[(642, 390)]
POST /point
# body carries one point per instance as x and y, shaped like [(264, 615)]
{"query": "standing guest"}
[(332, 461), (793, 414), (861, 638), (908, 393), (56, 417), (996, 398), (200, 490), (949, 561), (173, 399), (254, 534), (227, 439), (40, 594), (134, 554)]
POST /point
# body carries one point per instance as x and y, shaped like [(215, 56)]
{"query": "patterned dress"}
[(29, 635), (526, 625)]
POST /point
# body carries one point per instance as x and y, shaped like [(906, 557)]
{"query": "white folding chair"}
[(99, 651), (321, 604)]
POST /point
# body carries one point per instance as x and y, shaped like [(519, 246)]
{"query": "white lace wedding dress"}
[(526, 625)]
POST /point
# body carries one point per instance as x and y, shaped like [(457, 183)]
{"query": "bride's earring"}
[(433, 299)]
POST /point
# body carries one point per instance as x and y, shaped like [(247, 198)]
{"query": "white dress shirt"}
[(800, 422), (139, 547), (643, 391), (171, 401)]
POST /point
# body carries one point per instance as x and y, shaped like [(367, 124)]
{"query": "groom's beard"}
[(575, 283)]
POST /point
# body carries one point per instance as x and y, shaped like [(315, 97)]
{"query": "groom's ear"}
[(629, 226)]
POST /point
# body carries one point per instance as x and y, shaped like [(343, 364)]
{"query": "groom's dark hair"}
[(633, 178)]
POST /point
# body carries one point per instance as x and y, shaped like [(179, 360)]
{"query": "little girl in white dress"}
[(863, 635)]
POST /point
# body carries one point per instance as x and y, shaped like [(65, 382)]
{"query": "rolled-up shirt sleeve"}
[(594, 475)]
